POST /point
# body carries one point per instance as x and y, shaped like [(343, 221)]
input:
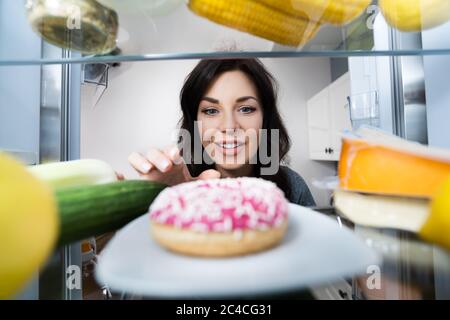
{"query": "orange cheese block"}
[(380, 163), (85, 247)]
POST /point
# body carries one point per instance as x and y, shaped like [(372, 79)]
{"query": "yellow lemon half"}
[(437, 227), (415, 15), (28, 225)]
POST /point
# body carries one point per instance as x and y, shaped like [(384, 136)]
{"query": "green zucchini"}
[(96, 209)]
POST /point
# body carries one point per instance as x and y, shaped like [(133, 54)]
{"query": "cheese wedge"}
[(382, 211), (375, 162), (430, 219)]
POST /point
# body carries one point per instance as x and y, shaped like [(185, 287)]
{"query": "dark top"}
[(300, 193)]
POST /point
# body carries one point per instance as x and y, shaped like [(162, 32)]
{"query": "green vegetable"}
[(74, 173), (92, 210)]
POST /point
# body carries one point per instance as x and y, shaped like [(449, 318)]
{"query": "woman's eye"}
[(210, 112), (247, 109)]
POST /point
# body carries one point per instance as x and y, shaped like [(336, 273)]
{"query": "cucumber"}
[(96, 209)]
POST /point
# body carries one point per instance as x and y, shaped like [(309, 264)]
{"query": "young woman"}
[(229, 116)]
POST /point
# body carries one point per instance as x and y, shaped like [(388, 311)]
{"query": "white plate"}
[(315, 250)]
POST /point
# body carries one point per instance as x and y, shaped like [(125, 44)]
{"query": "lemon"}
[(28, 225), (437, 227), (415, 15)]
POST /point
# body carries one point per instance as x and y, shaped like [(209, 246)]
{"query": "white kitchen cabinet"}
[(328, 117)]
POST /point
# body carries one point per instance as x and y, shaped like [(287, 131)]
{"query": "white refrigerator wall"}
[(20, 88), (140, 109), (437, 69)]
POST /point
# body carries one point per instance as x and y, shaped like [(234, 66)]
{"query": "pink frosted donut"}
[(220, 217)]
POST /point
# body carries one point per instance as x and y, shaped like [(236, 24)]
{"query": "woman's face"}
[(229, 119)]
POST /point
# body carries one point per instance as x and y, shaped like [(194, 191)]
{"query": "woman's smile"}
[(230, 148)]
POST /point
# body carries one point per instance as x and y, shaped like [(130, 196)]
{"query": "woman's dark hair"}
[(194, 89)]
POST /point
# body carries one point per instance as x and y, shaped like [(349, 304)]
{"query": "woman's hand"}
[(120, 176), (166, 166)]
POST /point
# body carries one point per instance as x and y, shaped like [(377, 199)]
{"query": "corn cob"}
[(337, 12), (256, 18)]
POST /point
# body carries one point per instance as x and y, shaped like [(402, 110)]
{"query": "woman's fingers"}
[(166, 165), (209, 174), (173, 153), (140, 163), (159, 160), (119, 176)]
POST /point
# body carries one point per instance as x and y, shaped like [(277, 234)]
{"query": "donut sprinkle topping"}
[(221, 205)]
